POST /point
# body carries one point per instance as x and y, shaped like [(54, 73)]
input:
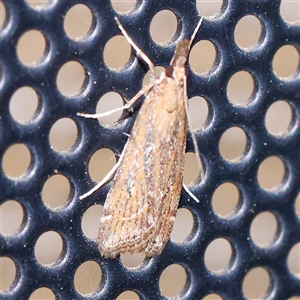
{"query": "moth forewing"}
[(141, 206)]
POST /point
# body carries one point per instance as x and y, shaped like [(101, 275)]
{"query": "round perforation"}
[(116, 52), (286, 62), (128, 295), (263, 229), (233, 144), (247, 32), (256, 283), (183, 226), (11, 215), (101, 163), (192, 169), (293, 260), (78, 21), (240, 88), (163, 27), (16, 161), (31, 48), (91, 221), (278, 118), (56, 191), (226, 199), (3, 16), (271, 173), (24, 104), (108, 102), (42, 293), (88, 277), (218, 255), (63, 135), (203, 48), (48, 248), (210, 8), (172, 280), (8, 268)]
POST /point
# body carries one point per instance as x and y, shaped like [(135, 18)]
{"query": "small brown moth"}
[(141, 205)]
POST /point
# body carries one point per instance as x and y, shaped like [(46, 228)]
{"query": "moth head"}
[(181, 53)]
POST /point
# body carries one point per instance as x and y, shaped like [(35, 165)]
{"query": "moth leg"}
[(126, 106), (108, 176), (139, 52), (190, 193), (197, 152)]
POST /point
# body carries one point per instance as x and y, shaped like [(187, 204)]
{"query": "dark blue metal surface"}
[(46, 162)]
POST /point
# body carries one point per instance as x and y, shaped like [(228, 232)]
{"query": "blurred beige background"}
[(24, 106)]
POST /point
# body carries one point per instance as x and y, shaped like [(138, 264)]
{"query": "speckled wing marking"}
[(141, 205)]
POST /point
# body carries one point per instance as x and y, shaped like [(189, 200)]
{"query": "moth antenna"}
[(197, 152), (195, 32), (139, 52)]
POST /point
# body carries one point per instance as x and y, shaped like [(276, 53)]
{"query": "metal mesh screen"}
[(53, 105)]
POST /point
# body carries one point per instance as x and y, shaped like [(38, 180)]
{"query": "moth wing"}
[(141, 205)]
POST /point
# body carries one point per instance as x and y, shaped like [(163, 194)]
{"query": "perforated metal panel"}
[(73, 164)]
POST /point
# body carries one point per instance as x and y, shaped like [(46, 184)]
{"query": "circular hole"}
[(78, 21), (132, 260), (233, 144), (16, 161), (191, 168), (128, 295), (3, 16), (256, 283), (218, 255), (157, 71), (172, 280), (289, 11), (11, 215), (209, 8), (247, 31), (23, 104), (225, 199), (297, 206), (279, 118), (294, 260), (124, 6), (183, 225), (31, 48), (271, 173), (42, 293), (48, 248), (240, 88), (263, 229), (38, 4), (109, 102), (70, 79), (63, 134), (163, 26), (202, 49), (88, 277), (286, 62), (116, 52), (91, 221), (56, 191), (198, 110), (8, 269), (101, 163), (212, 297)]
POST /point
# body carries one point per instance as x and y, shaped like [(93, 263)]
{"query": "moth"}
[(141, 205)]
